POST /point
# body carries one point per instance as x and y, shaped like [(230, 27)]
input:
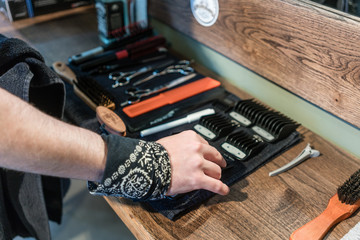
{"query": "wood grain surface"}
[(306, 49), (258, 207)]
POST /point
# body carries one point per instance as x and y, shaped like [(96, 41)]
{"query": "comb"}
[(171, 96), (272, 126), (246, 111), (241, 145), (215, 126)]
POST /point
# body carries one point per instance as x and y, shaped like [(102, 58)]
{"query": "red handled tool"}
[(131, 51), (136, 33)]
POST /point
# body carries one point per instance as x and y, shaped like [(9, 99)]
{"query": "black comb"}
[(246, 111), (242, 145), (221, 105), (215, 126), (273, 126), (270, 125)]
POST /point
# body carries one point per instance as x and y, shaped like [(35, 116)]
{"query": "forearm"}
[(32, 141)]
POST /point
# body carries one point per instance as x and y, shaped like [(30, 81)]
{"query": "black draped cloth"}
[(28, 201)]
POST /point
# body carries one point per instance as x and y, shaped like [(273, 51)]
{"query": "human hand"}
[(194, 163)]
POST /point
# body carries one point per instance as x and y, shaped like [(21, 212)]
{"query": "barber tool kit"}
[(155, 94)]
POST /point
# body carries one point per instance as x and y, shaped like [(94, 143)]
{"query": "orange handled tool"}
[(171, 96), (335, 212)]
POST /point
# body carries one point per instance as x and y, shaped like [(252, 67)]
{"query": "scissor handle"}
[(136, 91), (181, 67), (119, 75), (120, 83), (130, 100)]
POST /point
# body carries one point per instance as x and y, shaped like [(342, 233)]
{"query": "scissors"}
[(182, 67), (124, 78), (120, 78), (137, 94)]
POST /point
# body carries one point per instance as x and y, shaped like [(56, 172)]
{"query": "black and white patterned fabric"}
[(135, 169)]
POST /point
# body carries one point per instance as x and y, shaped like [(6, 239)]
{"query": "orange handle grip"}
[(334, 213), (171, 96)]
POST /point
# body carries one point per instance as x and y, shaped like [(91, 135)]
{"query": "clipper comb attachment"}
[(242, 145), (221, 105), (273, 126), (215, 126), (246, 111), (270, 125)]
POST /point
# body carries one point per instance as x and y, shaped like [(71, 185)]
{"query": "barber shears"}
[(135, 94), (182, 67), (124, 78), (120, 78)]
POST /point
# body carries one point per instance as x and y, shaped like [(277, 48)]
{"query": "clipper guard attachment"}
[(215, 126), (246, 112), (239, 146), (272, 126)]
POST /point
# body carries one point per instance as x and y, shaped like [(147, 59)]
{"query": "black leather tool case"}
[(247, 133)]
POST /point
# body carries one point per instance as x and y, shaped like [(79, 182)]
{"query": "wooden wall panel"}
[(306, 49)]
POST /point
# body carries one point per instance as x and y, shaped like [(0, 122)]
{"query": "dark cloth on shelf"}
[(28, 201), (181, 204)]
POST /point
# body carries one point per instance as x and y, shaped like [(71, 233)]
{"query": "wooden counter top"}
[(258, 207)]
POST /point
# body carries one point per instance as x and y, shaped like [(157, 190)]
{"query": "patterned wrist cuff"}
[(135, 169)]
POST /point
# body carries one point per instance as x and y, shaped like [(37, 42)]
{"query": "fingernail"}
[(226, 190)]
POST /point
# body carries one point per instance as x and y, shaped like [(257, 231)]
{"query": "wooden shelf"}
[(297, 44)]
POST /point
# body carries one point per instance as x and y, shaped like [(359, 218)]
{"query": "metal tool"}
[(308, 152), (124, 78), (120, 78), (159, 55), (182, 67), (137, 94)]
